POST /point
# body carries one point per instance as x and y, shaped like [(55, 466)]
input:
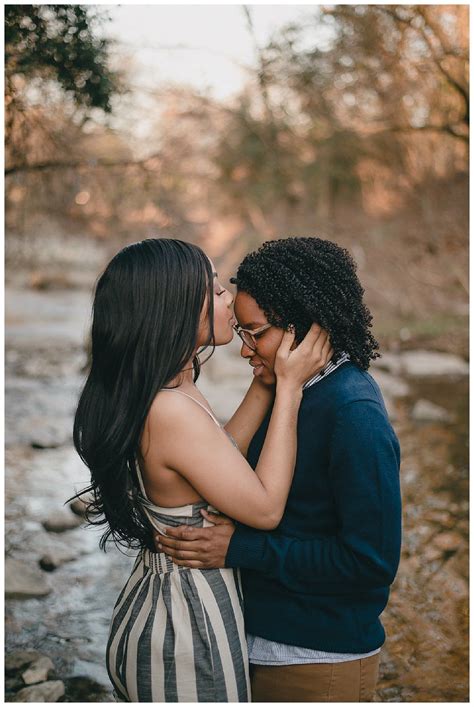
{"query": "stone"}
[(61, 520), (422, 364), (50, 691), (55, 558), (14, 662), (80, 504), (390, 385), (426, 411), (389, 362), (49, 437), (448, 542), (24, 581), (38, 670), (430, 554)]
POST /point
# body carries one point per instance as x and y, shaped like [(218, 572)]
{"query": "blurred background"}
[(226, 126)]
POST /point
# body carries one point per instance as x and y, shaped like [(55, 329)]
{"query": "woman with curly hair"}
[(315, 586)]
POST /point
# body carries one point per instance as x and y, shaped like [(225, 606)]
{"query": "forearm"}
[(277, 460), (364, 547), (250, 414), (318, 565)]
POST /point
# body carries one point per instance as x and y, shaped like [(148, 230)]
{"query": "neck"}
[(185, 376)]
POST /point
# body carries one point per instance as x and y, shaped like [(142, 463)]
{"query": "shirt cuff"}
[(246, 548)]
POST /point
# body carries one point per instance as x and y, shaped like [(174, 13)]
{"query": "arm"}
[(364, 554), (250, 414), (211, 464)]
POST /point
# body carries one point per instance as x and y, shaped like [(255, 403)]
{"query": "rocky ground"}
[(60, 588)]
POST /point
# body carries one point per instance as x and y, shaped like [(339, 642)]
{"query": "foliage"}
[(58, 42)]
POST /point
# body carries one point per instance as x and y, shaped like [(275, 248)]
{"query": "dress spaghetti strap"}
[(173, 390)]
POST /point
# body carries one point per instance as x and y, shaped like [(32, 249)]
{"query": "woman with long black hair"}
[(158, 456)]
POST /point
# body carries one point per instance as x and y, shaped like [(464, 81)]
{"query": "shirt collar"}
[(329, 368)]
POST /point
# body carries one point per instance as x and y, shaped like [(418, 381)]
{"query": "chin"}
[(224, 339)]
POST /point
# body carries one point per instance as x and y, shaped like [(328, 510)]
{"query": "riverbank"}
[(64, 613)]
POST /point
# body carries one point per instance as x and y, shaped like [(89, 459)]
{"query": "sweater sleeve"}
[(365, 552)]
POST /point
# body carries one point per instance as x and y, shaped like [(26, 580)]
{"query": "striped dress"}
[(177, 634)]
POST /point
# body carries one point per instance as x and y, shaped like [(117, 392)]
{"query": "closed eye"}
[(220, 293)]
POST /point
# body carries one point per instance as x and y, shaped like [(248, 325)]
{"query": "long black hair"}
[(304, 280), (145, 323)]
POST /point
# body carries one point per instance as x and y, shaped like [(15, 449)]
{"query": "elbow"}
[(270, 520)]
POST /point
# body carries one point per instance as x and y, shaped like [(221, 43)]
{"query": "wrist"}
[(289, 389)]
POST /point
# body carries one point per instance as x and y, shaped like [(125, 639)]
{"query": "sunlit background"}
[(228, 125)]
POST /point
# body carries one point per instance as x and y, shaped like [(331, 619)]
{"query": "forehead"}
[(247, 311)]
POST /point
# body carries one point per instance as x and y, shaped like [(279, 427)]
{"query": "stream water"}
[(425, 657)]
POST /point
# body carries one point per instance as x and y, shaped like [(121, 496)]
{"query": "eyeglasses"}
[(249, 337)]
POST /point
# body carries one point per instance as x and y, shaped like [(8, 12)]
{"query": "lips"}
[(257, 368)]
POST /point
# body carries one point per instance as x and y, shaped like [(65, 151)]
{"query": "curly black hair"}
[(304, 280)]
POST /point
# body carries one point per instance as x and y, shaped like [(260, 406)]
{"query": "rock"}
[(48, 281), (48, 438), (390, 385), (431, 363), (389, 362), (50, 691), (84, 689), (14, 662), (426, 411), (389, 694), (61, 520), (24, 581), (448, 542), (55, 558), (441, 517), (430, 554), (79, 505), (38, 670)]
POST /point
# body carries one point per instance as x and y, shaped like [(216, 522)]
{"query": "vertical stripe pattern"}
[(177, 634)]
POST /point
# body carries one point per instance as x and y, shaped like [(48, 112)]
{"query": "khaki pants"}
[(352, 681)]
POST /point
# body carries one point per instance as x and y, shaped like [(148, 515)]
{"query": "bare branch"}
[(88, 164)]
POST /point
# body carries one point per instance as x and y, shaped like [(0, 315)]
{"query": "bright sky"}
[(201, 45)]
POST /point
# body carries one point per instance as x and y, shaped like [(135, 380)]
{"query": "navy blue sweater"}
[(321, 579)]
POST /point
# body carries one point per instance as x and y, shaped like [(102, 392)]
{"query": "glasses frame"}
[(251, 332)]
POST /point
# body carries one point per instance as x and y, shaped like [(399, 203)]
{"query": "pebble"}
[(423, 364), (55, 558), (50, 691), (79, 505), (61, 520), (24, 581), (426, 411), (38, 670), (19, 659), (448, 541), (48, 438), (390, 385)]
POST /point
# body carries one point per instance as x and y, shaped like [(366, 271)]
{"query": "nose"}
[(246, 351)]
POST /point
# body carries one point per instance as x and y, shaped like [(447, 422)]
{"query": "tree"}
[(55, 65), (57, 42)]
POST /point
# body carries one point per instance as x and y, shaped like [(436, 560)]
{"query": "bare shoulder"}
[(176, 411)]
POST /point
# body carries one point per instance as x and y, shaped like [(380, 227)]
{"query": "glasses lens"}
[(247, 339)]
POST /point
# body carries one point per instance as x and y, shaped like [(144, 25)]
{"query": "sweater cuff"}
[(246, 548)]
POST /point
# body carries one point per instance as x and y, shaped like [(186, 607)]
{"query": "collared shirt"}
[(264, 652)]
